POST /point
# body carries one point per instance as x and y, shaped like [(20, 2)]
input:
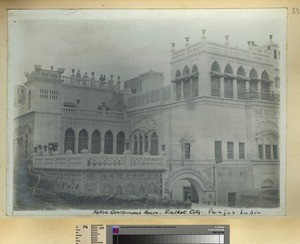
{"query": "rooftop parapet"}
[(74, 79), (251, 53)]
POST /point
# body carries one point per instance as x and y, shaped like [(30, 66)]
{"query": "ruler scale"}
[(90, 234)]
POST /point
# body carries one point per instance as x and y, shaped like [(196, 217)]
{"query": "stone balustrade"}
[(99, 162), (86, 82), (86, 113), (220, 48)]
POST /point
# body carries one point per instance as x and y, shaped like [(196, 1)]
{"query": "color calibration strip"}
[(168, 239)]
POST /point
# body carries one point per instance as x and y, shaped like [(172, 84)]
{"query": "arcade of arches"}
[(94, 144), (227, 84), (143, 142)]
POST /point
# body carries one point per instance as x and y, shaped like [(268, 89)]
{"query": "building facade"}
[(210, 135)]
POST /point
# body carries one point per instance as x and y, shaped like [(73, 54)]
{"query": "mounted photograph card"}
[(147, 112)]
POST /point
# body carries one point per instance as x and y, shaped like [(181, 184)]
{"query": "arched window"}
[(186, 83), (95, 142), (140, 145), (215, 79), (26, 145), (120, 142), (146, 142), (253, 82), (69, 140), (108, 142), (265, 86), (241, 83), (178, 74), (29, 99), (186, 70), (154, 144), (135, 144), (228, 82), (82, 140), (195, 81)]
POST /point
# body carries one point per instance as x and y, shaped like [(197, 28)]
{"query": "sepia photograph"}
[(147, 111)]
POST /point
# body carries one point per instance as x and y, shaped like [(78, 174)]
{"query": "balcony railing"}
[(100, 162), (254, 95), (215, 92), (220, 48), (78, 112)]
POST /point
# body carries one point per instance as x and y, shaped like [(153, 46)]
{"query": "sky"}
[(126, 42)]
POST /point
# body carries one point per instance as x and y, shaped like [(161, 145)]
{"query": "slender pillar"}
[(247, 86), (138, 144), (181, 87), (222, 87), (114, 145), (235, 88), (89, 144), (149, 144), (259, 89), (143, 142), (102, 143), (76, 144)]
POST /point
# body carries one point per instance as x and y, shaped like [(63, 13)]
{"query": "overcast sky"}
[(126, 43)]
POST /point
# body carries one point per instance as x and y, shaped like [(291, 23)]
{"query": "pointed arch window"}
[(95, 142), (215, 75), (154, 144), (69, 140), (82, 140), (265, 86), (195, 81), (253, 83), (228, 82), (146, 142), (108, 142), (241, 83), (120, 142), (140, 145), (186, 83)]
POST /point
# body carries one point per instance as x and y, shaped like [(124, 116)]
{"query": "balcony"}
[(265, 96), (74, 112), (99, 162)]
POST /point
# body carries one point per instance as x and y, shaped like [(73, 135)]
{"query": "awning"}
[(256, 79), (231, 76), (69, 104), (192, 75), (241, 77), (216, 73)]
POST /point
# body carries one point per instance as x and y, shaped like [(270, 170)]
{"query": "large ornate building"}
[(211, 134)]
